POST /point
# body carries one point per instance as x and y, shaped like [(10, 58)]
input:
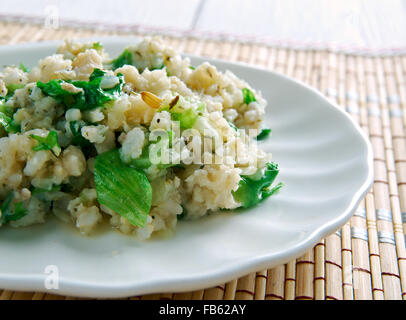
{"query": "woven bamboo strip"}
[(372, 235), (383, 180), (166, 296), (216, 293), (275, 284), (229, 292), (400, 156), (182, 296), (395, 132), (362, 286), (245, 287), (305, 276)]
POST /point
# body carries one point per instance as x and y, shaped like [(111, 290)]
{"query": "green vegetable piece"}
[(192, 67), (50, 142), (7, 214), (264, 134), (76, 129), (142, 162), (124, 190), (251, 192), (97, 46), (11, 88), (35, 191), (8, 123), (126, 57), (186, 117), (24, 68), (248, 96), (91, 96)]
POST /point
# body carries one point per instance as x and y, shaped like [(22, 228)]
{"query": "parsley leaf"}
[(8, 123), (24, 68), (264, 134), (76, 129), (248, 96), (251, 192), (126, 57), (97, 46), (124, 190), (129, 58), (7, 214), (92, 95), (11, 88), (50, 142)]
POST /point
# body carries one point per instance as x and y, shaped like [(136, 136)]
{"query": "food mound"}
[(138, 141)]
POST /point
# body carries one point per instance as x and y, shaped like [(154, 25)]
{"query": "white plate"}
[(326, 165)]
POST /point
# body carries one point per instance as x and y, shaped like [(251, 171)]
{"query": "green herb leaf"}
[(250, 192), (91, 96), (192, 67), (76, 129), (126, 57), (248, 96), (186, 117), (124, 190), (11, 88), (142, 162), (50, 142), (7, 214), (24, 68), (8, 123), (97, 46), (35, 191), (264, 134)]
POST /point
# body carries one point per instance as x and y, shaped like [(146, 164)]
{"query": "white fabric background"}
[(359, 23)]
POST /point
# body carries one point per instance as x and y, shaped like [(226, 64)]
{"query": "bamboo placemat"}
[(366, 259)]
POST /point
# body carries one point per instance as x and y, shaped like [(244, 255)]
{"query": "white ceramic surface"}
[(326, 166)]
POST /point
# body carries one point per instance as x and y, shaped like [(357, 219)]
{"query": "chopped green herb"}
[(264, 134), (126, 57), (192, 67), (7, 214), (50, 142), (35, 191), (124, 190), (186, 117), (11, 88), (248, 96), (24, 68), (142, 162), (91, 96), (8, 123), (251, 192), (97, 45), (76, 129)]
